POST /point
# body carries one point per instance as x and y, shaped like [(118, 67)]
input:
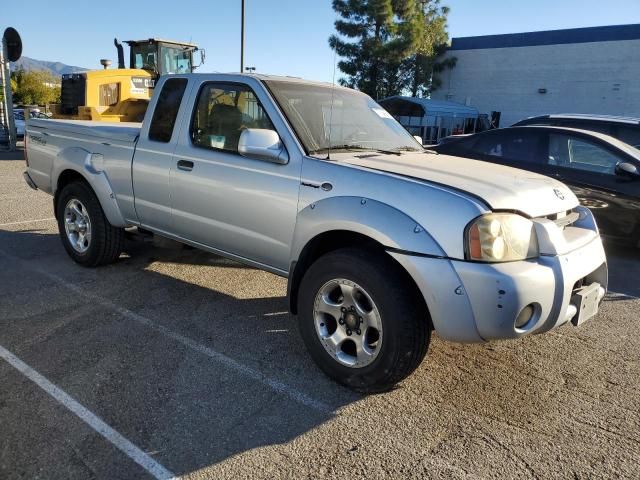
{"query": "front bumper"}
[(475, 302)]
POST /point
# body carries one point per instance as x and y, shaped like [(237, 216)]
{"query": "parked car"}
[(452, 138), (20, 124), (602, 171), (381, 240), (626, 129)]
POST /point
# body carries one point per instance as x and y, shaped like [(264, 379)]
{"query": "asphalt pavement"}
[(175, 362)]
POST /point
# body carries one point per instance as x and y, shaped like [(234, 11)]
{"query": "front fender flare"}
[(386, 225), (89, 166), (383, 223)]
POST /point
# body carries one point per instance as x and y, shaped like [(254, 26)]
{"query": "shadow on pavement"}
[(624, 269), (18, 154), (188, 408)]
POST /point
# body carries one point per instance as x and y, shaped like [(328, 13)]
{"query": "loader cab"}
[(161, 57)]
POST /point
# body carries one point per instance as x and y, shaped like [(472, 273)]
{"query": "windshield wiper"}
[(354, 147), (407, 149)]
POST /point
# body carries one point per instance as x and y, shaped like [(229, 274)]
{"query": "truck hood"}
[(501, 187)]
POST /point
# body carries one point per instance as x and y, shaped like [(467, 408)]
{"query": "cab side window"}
[(581, 154), (512, 146), (222, 112), (166, 112)]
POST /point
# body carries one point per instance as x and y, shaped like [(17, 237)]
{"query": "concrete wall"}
[(598, 77)]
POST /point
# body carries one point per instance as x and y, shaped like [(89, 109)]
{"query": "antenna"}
[(333, 89)]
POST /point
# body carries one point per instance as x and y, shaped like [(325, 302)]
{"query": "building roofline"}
[(608, 33)]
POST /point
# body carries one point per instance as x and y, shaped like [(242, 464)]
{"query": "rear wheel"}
[(363, 321), (86, 234)]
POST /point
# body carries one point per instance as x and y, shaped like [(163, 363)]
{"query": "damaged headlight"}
[(501, 237)]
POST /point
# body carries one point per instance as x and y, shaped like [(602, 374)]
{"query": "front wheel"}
[(363, 321), (86, 234)]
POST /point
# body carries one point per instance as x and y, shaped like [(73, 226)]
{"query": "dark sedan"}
[(603, 172), (626, 129)]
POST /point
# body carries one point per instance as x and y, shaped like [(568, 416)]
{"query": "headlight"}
[(501, 237)]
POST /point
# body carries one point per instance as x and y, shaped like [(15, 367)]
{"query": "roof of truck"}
[(286, 78), (273, 78)]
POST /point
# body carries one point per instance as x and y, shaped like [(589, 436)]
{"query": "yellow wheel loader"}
[(122, 94)]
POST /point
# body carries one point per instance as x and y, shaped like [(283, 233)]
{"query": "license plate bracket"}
[(586, 300)]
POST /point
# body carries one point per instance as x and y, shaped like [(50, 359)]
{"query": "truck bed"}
[(118, 132), (100, 151)]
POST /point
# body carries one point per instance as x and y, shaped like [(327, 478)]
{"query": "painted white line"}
[(229, 362), (26, 222), (116, 439)]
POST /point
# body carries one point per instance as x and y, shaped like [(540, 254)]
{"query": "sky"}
[(285, 37)]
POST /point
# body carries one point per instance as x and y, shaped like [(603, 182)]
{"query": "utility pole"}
[(10, 52), (8, 97), (242, 39)]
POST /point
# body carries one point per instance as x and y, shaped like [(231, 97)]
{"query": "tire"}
[(104, 242), (381, 286)]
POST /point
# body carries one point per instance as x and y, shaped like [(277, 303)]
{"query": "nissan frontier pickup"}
[(382, 242)]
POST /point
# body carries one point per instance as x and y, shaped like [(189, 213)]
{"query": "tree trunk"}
[(414, 80), (375, 67)]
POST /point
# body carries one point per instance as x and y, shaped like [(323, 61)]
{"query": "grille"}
[(564, 219)]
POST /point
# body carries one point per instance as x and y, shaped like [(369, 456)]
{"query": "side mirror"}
[(202, 57), (262, 144), (418, 139), (627, 169)]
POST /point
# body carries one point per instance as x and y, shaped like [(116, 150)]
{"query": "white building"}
[(582, 70)]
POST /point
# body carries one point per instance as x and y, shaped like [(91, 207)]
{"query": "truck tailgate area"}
[(119, 132)]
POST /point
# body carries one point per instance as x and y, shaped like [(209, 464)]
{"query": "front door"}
[(238, 205)]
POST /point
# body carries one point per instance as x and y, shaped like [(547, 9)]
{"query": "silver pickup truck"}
[(381, 241)]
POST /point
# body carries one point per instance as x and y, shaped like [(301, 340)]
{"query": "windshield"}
[(144, 57), (327, 118), (175, 60), (172, 59)]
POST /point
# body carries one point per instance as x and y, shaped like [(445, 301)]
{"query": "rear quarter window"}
[(514, 145), (166, 112)]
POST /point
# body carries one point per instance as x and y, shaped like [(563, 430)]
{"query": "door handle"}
[(185, 165)]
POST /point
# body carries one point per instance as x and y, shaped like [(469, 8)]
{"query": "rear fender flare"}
[(90, 167)]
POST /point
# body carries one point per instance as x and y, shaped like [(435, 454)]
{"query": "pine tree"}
[(419, 71), (380, 34), (390, 46)]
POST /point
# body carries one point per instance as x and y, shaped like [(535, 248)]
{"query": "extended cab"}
[(381, 240)]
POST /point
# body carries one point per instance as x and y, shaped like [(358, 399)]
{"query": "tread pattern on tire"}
[(107, 240), (411, 315)]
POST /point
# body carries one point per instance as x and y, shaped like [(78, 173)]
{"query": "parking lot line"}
[(97, 424), (27, 221), (229, 362)]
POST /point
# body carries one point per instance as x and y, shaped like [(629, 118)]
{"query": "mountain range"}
[(56, 68)]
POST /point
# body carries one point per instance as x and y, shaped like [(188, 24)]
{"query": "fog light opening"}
[(525, 316)]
